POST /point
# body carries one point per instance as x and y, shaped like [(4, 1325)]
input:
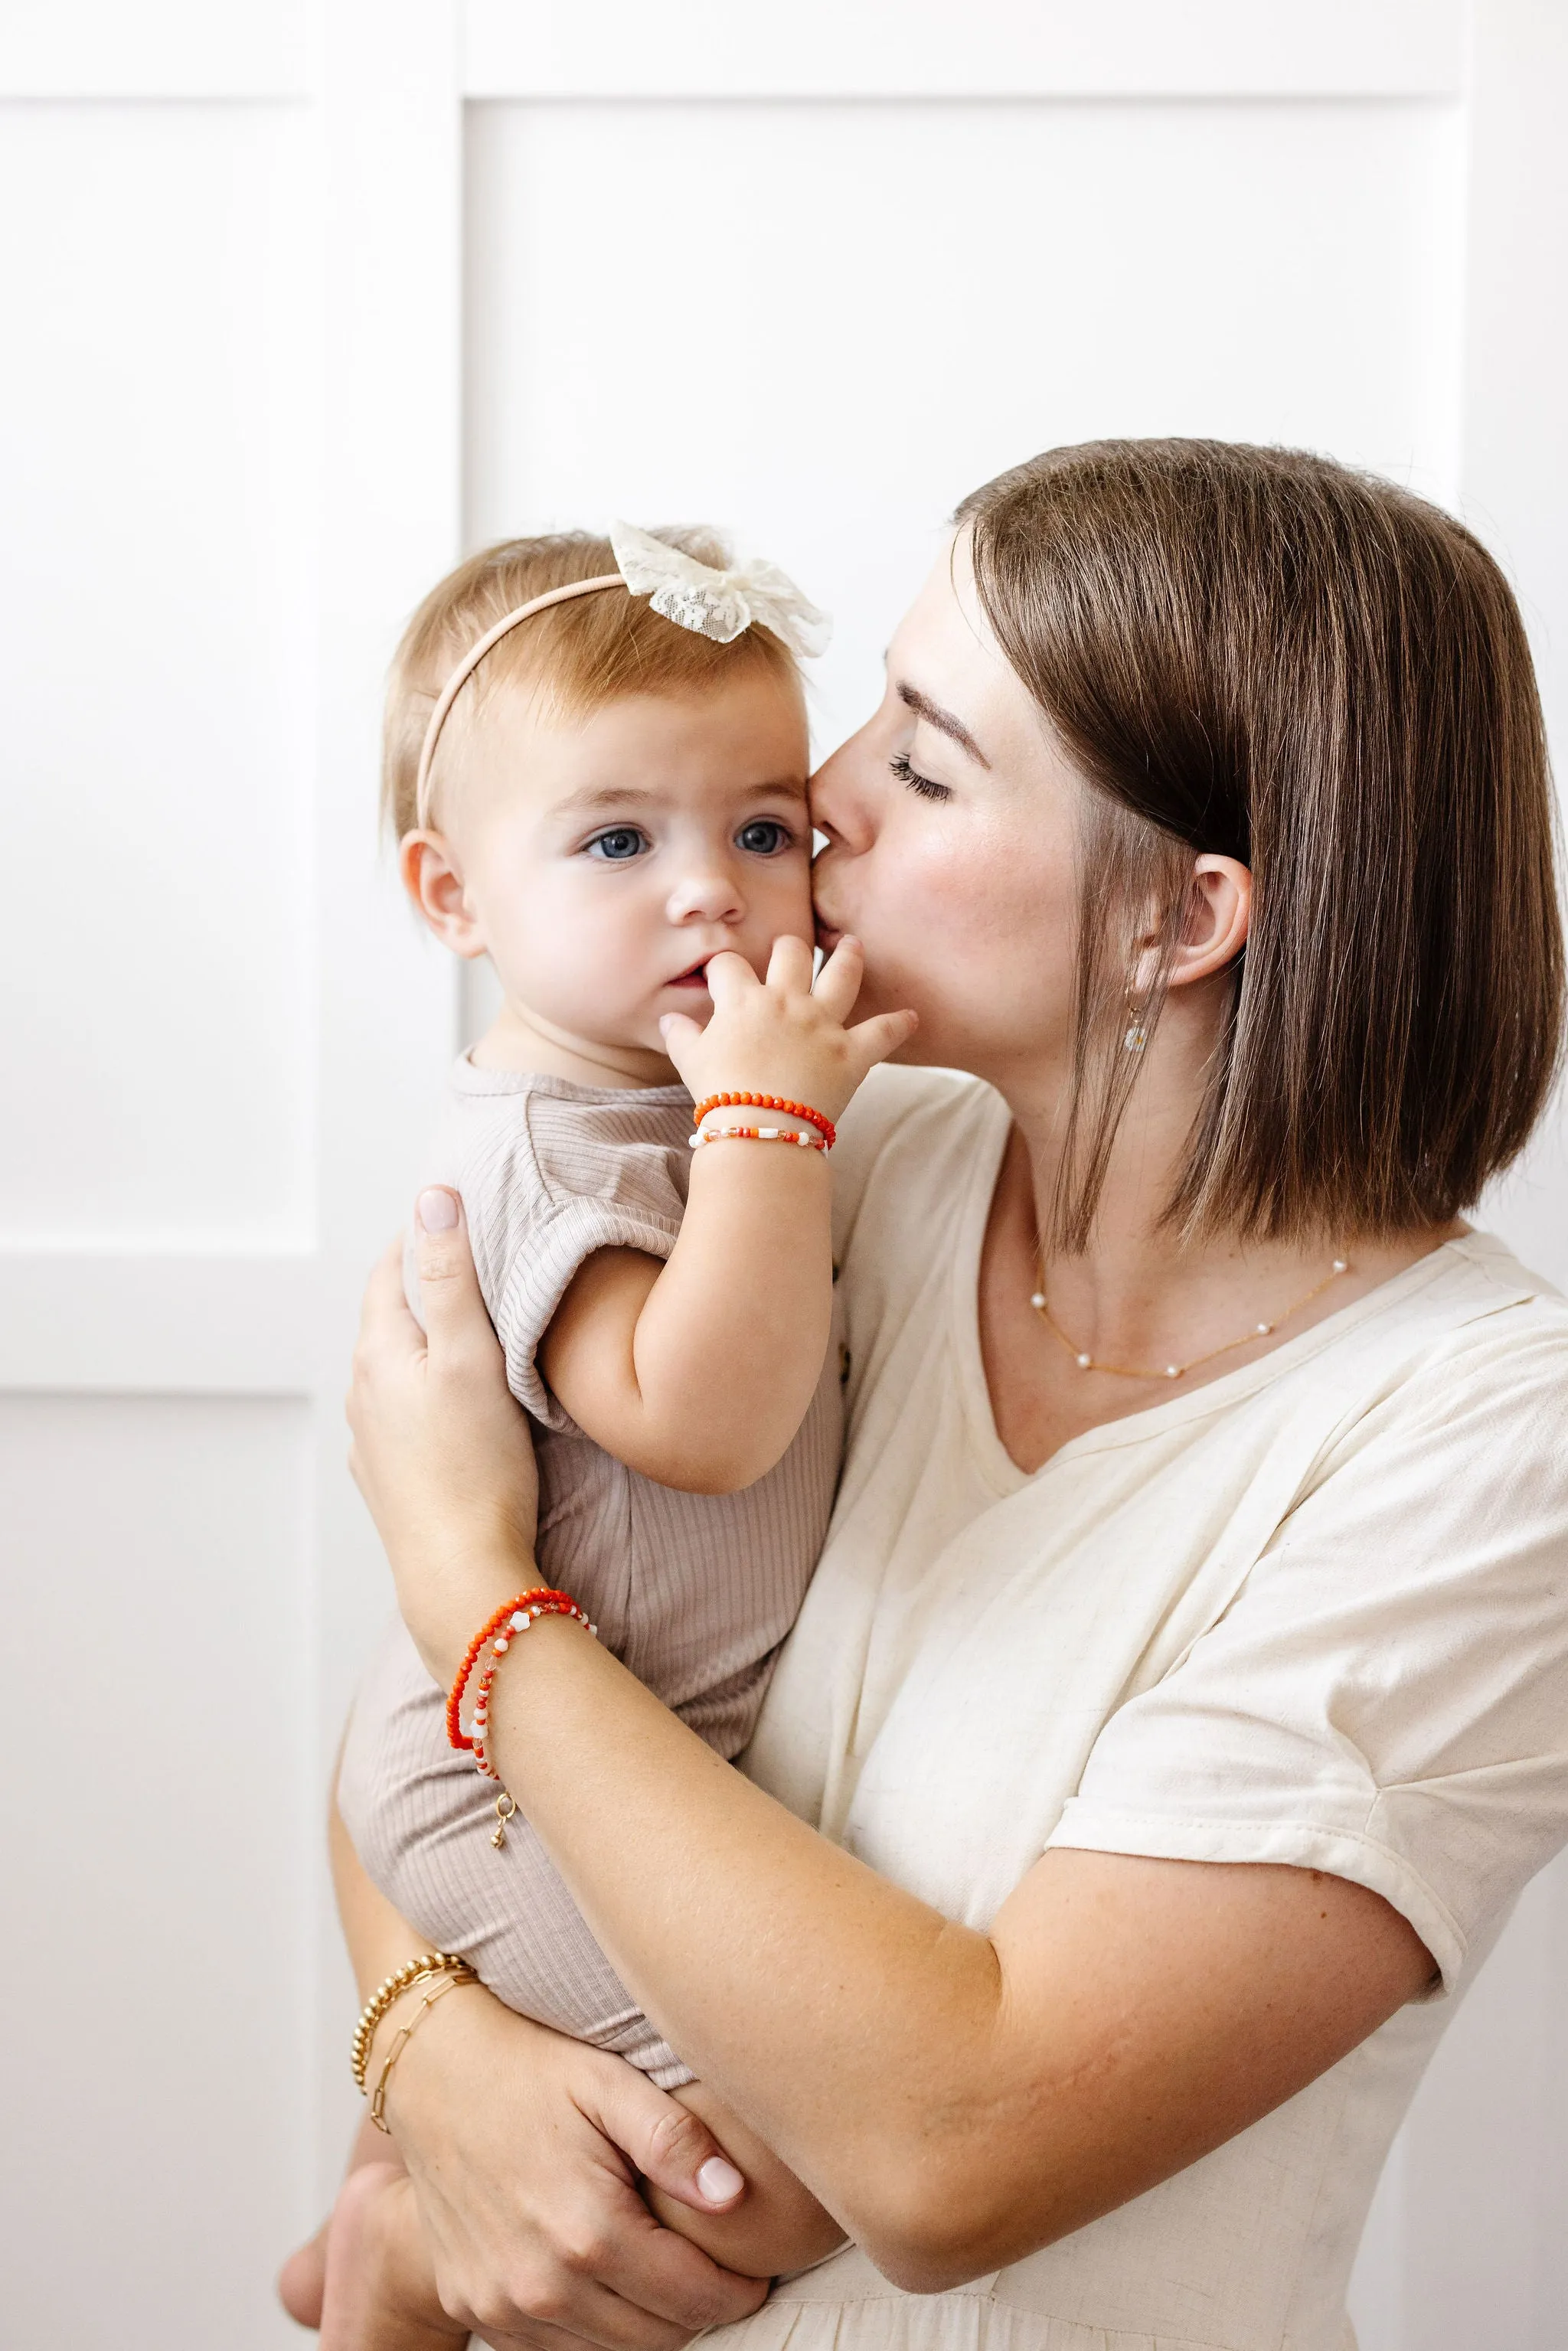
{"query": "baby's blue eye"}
[(621, 841), (763, 838)]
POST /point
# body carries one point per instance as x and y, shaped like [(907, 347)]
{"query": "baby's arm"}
[(699, 1373)]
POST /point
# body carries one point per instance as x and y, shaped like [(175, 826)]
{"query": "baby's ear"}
[(428, 864)]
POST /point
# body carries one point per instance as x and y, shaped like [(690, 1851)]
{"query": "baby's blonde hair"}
[(579, 656)]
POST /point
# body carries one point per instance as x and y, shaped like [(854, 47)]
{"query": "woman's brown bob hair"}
[(1257, 653)]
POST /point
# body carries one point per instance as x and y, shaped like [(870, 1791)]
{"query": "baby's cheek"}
[(790, 900), (551, 955)]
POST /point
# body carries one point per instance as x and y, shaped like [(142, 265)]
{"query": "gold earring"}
[(1138, 1035)]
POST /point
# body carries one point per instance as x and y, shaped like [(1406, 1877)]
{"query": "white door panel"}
[(156, 1803), (157, 665)]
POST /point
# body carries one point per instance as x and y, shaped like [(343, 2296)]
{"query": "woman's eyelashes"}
[(925, 786)]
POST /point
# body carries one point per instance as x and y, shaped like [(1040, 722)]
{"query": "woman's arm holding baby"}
[(955, 2098), (527, 2151), (635, 1352)]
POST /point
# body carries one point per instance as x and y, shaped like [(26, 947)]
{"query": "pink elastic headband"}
[(470, 663), (716, 605)]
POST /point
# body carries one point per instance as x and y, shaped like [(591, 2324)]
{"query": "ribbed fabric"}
[(694, 1592)]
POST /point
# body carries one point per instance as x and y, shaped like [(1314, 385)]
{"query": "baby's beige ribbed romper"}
[(694, 1592)]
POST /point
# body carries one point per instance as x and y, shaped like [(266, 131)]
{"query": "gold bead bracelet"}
[(393, 1987)]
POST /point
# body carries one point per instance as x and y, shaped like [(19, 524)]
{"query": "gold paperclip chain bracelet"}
[(405, 2034), (388, 1992)]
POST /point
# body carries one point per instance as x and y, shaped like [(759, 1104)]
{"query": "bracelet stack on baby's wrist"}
[(824, 1140)]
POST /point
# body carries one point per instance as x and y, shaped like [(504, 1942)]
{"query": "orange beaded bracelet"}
[(498, 1632), (824, 1126), (550, 1603)]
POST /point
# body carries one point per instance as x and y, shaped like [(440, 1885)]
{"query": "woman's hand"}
[(441, 1448), (525, 2151)]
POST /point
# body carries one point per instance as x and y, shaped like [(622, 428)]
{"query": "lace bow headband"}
[(717, 604)]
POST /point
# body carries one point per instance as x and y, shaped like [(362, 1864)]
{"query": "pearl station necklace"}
[(1086, 1363)]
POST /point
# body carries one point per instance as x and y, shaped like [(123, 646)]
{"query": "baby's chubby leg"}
[(365, 2278), (302, 2280), (421, 1821), (380, 2282), (424, 1826), (777, 2227)]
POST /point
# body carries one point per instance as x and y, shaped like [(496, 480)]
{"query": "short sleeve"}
[(904, 1115), (1387, 1697), (547, 1257), (546, 1179)]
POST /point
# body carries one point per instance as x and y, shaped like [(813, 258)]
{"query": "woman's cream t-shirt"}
[(1314, 1613)]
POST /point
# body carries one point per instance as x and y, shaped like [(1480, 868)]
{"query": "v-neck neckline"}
[(994, 1461)]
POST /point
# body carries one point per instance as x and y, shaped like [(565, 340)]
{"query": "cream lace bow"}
[(717, 604)]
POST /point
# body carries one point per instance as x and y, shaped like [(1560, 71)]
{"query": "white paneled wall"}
[(156, 1800), (157, 665), (302, 299), (832, 321)]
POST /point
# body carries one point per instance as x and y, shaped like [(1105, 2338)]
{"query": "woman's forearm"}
[(784, 1971), (955, 2099)]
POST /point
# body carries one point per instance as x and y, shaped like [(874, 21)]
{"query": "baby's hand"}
[(779, 1036)]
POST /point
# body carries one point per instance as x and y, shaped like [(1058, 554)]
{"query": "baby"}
[(607, 796)]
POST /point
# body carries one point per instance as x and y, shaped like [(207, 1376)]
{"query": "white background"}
[(303, 300)]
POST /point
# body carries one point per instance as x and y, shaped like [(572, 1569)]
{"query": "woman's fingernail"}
[(720, 2180), (437, 1210)]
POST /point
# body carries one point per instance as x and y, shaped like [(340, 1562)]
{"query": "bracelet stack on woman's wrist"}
[(498, 1632), (443, 1985), (444, 1965)]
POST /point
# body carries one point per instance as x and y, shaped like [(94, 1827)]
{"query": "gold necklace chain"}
[(1086, 1363)]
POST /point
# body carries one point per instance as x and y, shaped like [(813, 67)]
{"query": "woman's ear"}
[(433, 880), (1218, 916)]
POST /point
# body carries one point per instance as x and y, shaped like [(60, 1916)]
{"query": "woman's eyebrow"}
[(943, 720)]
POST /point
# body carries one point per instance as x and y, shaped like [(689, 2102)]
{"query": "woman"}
[(1180, 1703)]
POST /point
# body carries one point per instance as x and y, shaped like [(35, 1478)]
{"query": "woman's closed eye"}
[(617, 843), (925, 786)]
